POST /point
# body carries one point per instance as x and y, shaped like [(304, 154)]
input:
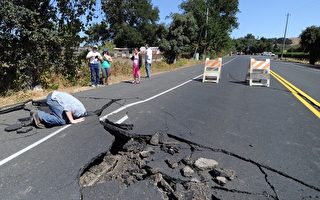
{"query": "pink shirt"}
[(136, 60)]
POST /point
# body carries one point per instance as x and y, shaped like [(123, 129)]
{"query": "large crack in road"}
[(166, 162), (167, 165)]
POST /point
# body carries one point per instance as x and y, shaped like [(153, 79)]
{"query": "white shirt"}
[(92, 57), (149, 56)]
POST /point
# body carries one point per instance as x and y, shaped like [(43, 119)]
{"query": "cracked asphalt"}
[(265, 135)]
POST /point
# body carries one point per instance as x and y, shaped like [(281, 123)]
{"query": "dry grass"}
[(119, 74)]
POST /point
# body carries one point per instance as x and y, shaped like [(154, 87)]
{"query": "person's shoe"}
[(36, 120), (29, 106)]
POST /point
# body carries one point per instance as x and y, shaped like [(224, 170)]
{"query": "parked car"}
[(266, 53)]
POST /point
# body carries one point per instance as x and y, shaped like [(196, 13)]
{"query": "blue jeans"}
[(57, 118), (95, 74), (148, 69)]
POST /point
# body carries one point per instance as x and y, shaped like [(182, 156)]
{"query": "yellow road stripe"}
[(315, 102), (295, 91)]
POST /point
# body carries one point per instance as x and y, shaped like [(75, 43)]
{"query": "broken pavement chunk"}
[(134, 146), (171, 149), (187, 161), (227, 173), (147, 152), (172, 164), (220, 180), (187, 171), (205, 164), (159, 138)]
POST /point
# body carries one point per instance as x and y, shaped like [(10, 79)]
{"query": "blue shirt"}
[(69, 103)]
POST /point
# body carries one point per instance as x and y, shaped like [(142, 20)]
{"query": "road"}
[(262, 126)]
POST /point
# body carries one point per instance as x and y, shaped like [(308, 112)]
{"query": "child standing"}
[(106, 66), (137, 62)]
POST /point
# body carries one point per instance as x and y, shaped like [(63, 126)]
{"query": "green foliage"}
[(83, 75), (131, 23), (181, 37), (214, 35), (296, 55), (310, 42), (39, 37), (288, 41), (110, 46), (249, 44), (96, 33), (295, 49)]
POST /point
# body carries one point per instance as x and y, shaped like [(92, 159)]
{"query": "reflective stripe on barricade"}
[(259, 72), (212, 70)]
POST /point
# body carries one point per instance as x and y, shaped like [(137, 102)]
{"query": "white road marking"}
[(124, 118), (153, 97), (15, 155), (2, 162)]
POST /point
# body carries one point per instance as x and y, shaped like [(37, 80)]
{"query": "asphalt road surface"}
[(264, 125)]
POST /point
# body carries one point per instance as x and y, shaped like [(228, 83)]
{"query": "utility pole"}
[(284, 37), (207, 17), (206, 33)]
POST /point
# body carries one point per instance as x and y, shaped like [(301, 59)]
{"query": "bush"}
[(296, 55)]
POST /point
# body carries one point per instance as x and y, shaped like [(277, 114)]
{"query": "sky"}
[(262, 18)]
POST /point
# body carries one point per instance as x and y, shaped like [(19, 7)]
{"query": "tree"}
[(182, 35), (37, 38), (97, 33), (131, 23), (249, 44), (288, 41), (213, 34), (310, 42)]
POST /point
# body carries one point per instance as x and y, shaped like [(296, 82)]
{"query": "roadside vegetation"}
[(40, 40), (307, 50), (121, 71)]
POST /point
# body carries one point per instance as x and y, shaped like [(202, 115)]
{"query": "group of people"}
[(95, 59), (65, 108)]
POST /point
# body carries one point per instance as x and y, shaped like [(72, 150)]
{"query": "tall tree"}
[(181, 37), (131, 22), (39, 37), (310, 42), (216, 24)]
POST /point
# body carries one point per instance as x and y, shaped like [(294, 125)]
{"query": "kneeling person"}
[(64, 109)]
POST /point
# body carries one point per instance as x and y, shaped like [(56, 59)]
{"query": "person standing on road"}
[(94, 58), (148, 60), (106, 66), (137, 63), (65, 109)]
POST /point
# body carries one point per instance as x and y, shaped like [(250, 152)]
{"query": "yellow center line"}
[(298, 94)]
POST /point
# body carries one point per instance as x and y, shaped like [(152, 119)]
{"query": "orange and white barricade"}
[(259, 72), (212, 70)]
